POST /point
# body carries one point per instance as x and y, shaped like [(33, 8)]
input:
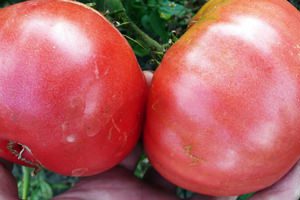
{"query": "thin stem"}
[(118, 13), (133, 40), (26, 182), (155, 46)]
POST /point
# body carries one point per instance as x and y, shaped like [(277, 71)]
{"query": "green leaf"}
[(245, 196), (183, 193), (45, 184), (152, 3), (155, 25), (138, 49), (169, 9), (41, 191), (142, 166)]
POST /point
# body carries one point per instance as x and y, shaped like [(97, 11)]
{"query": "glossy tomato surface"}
[(71, 90), (224, 111)]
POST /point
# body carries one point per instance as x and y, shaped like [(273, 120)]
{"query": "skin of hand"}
[(8, 185), (120, 183)]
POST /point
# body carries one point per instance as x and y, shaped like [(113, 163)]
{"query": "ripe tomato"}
[(71, 90), (224, 111)]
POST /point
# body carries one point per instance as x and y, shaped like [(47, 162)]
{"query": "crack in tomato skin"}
[(195, 160), (24, 155)]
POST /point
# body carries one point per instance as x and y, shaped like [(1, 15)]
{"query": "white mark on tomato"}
[(66, 36), (64, 126), (8, 61), (110, 132), (154, 105), (298, 48), (71, 138), (189, 89), (79, 171), (264, 135), (96, 71), (106, 72), (249, 29), (115, 125), (228, 159), (91, 101)]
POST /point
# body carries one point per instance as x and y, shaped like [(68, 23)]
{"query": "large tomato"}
[(71, 90), (224, 111)]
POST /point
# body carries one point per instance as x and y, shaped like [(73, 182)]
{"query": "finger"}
[(203, 197), (148, 75), (286, 188), (117, 183), (8, 185)]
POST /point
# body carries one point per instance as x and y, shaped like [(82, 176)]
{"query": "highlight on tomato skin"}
[(223, 115), (72, 94)]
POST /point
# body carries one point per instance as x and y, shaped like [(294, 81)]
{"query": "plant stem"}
[(117, 11), (26, 182)]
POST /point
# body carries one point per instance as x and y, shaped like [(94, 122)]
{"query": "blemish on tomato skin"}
[(71, 138), (115, 125), (64, 126), (228, 160), (23, 153), (154, 105), (92, 100), (125, 138), (298, 48), (106, 71), (188, 151), (76, 104), (110, 133), (91, 133), (79, 171), (96, 71)]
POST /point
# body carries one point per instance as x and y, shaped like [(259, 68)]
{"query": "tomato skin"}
[(223, 115), (71, 89)]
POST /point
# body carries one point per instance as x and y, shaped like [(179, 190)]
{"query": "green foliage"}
[(183, 194), (142, 167), (162, 19), (45, 184), (154, 16), (245, 196), (296, 3)]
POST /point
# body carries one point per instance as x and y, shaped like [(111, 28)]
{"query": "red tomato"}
[(71, 90), (224, 111)]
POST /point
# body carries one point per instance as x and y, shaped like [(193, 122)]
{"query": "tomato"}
[(71, 91), (223, 116)]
